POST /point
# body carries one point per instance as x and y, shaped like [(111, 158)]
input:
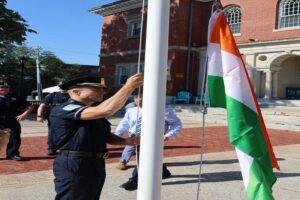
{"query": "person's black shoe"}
[(130, 185), (16, 158), (51, 152), (166, 174)]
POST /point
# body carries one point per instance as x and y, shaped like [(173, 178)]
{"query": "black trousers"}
[(14, 143), (134, 175), (51, 137), (78, 178)]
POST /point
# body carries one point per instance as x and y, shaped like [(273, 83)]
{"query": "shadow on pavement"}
[(24, 159), (218, 177), (229, 161), (179, 164)]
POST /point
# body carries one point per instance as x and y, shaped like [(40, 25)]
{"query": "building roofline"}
[(122, 5), (116, 7), (263, 43)]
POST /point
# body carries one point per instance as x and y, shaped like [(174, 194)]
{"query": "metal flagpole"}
[(204, 106), (151, 150)]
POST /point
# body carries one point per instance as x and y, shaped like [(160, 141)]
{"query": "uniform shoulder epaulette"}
[(71, 107)]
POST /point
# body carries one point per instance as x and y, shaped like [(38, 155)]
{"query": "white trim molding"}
[(132, 52), (287, 29), (117, 7)]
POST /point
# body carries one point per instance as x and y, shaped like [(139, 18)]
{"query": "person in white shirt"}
[(128, 150), (131, 123)]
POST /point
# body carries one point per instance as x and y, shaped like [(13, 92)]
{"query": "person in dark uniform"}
[(43, 112), (10, 107), (81, 136)]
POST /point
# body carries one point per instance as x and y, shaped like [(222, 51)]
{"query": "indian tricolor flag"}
[(229, 87)]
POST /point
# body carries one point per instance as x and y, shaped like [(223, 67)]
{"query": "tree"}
[(53, 70), (13, 32), (13, 28)]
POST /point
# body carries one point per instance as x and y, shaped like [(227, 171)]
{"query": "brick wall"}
[(259, 20), (114, 39)]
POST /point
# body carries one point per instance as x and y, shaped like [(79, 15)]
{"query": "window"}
[(124, 71), (133, 28), (289, 13), (233, 16)]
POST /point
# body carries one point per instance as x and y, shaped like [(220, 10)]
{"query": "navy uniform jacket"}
[(74, 134), (54, 99), (11, 106)]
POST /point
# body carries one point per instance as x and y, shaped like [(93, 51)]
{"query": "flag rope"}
[(139, 71)]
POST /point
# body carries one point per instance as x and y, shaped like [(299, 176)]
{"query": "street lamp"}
[(22, 61)]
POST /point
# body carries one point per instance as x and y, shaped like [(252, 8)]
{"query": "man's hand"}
[(114, 103), (135, 81), (166, 138), (40, 119), (133, 140), (21, 117)]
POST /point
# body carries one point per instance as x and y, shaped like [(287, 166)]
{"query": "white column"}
[(250, 61), (268, 88), (151, 154), (252, 74), (202, 63), (275, 85)]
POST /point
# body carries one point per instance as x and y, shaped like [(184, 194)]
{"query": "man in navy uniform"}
[(10, 116), (81, 135), (43, 112)]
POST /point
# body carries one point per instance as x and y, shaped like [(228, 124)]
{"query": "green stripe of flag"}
[(245, 133)]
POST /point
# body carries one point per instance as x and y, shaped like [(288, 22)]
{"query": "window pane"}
[(233, 16), (123, 74), (290, 15), (134, 28)]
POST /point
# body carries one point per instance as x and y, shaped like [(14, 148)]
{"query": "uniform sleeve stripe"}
[(77, 113)]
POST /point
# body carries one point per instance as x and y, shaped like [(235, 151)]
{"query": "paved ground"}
[(33, 149), (283, 118), (221, 179), (33, 179)]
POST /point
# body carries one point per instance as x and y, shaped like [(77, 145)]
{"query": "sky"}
[(64, 27)]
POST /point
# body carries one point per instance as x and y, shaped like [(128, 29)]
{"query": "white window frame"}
[(234, 19), (133, 28), (131, 70), (287, 18)]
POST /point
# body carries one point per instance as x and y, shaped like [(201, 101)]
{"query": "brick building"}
[(267, 33)]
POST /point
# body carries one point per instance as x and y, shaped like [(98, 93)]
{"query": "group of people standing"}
[(79, 132), (13, 110)]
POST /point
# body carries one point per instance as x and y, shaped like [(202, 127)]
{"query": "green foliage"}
[(53, 70), (13, 32), (13, 28)]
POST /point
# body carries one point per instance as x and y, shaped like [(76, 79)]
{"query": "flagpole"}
[(151, 150), (203, 104)]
